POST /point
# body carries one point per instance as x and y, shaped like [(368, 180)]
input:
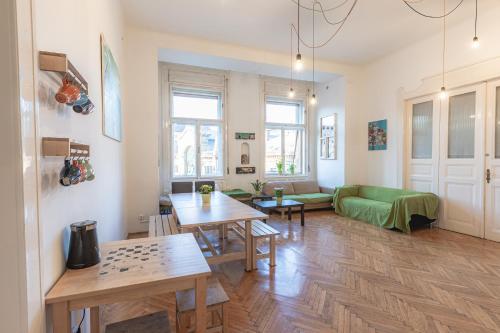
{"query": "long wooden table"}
[(129, 270), (191, 214)]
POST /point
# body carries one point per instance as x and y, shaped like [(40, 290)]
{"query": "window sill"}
[(285, 177)]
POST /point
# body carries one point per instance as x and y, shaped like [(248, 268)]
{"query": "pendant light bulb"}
[(475, 42), (443, 94), (291, 93), (299, 64), (313, 100)]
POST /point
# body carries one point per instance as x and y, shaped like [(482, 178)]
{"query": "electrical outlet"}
[(143, 219)]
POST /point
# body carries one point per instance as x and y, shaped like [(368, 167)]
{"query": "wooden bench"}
[(216, 298), (260, 230), (162, 225)]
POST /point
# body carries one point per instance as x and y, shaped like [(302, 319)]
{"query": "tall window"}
[(285, 137), (197, 149)]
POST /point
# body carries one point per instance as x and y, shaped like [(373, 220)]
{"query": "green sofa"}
[(386, 207), (308, 192)]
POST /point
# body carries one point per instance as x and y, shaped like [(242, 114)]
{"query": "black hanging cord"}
[(342, 22), (475, 22), (432, 16), (298, 26), (326, 10), (79, 330)]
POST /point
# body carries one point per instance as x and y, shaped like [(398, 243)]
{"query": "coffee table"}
[(272, 204)]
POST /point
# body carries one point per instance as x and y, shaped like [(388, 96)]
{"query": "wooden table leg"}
[(201, 304), (272, 251), (248, 245), (302, 215), (61, 317), (95, 322), (221, 231), (289, 213)]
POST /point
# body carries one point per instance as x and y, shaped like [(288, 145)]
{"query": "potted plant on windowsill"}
[(278, 193), (258, 186), (291, 169), (279, 167), (205, 191)]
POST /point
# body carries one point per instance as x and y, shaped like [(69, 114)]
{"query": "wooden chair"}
[(153, 323), (216, 313), (261, 230), (200, 183), (182, 187)]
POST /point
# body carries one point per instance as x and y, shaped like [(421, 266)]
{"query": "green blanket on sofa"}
[(386, 207)]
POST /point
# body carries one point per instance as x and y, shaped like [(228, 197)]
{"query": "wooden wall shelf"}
[(59, 63), (63, 147)]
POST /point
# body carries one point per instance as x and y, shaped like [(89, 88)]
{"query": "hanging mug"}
[(81, 101), (83, 171), (90, 171), (64, 175), (75, 173), (68, 93), (84, 108)]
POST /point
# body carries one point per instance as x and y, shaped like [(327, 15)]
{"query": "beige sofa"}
[(308, 192)]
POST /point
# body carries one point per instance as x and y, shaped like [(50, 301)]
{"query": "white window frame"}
[(283, 126), (198, 122)]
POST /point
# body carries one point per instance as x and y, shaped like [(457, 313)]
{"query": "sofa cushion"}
[(237, 193), (388, 195), (310, 198), (309, 186), (287, 188), (374, 212)]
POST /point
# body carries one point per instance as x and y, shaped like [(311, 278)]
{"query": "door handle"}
[(488, 176)]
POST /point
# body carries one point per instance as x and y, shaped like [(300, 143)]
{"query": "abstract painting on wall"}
[(377, 135), (111, 97)]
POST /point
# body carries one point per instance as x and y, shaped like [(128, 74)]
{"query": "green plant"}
[(258, 186), (206, 189), (279, 167), (278, 192), (291, 168)]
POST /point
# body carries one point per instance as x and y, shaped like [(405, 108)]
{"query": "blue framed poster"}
[(377, 135)]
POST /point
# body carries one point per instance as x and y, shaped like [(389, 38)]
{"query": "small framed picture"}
[(328, 137)]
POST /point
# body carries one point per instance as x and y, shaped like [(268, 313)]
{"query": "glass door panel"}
[(461, 125)]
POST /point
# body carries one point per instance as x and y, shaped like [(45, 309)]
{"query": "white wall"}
[(331, 100), (74, 27), (244, 106), (388, 80)]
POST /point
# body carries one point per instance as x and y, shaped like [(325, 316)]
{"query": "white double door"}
[(453, 150)]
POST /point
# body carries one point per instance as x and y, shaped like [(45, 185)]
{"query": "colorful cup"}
[(68, 93)]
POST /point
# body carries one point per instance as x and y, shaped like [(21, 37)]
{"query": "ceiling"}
[(375, 28)]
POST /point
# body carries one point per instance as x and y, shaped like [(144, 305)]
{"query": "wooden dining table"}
[(191, 214), (131, 270)]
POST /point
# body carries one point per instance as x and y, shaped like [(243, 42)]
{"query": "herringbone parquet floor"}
[(340, 275)]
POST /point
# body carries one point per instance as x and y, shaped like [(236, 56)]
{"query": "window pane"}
[(497, 124), (210, 150), (461, 121), (284, 113), (186, 105), (293, 152), (273, 150), (422, 130), (184, 150)]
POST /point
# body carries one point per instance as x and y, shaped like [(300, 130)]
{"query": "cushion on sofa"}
[(375, 212), (237, 193), (310, 198), (384, 194), (287, 188), (309, 186)]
